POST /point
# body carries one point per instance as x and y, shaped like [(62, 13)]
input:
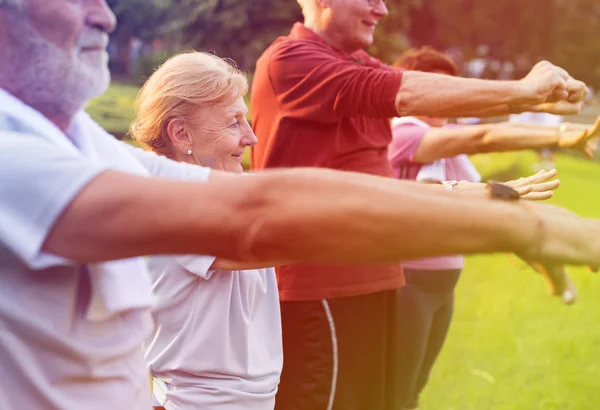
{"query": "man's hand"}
[(547, 83), (557, 108)]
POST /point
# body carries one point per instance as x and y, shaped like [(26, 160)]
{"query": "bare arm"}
[(446, 96), (557, 108), (440, 95), (440, 143), (309, 215)]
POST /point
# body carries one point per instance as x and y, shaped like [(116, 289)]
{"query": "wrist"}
[(533, 240), (537, 234), (469, 186), (523, 96)]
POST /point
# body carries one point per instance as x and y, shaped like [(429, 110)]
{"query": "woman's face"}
[(221, 136)]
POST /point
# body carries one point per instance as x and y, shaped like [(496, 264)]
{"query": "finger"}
[(558, 281), (577, 90), (545, 186), (589, 152), (594, 132), (522, 190), (538, 196), (541, 176), (558, 94), (569, 295)]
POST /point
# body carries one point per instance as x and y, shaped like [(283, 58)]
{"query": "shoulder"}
[(294, 50), (364, 58)]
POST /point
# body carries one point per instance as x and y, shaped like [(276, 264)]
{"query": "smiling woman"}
[(192, 110)]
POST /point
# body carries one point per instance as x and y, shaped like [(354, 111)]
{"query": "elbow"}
[(260, 235), (404, 104)]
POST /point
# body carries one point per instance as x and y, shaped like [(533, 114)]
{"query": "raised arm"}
[(309, 215), (446, 96), (446, 142)]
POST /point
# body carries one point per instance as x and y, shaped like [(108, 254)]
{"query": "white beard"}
[(47, 77)]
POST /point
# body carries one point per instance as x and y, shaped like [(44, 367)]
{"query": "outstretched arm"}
[(307, 215), (440, 95), (447, 142)]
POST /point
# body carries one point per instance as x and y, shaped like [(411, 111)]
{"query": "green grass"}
[(511, 347), (115, 109)]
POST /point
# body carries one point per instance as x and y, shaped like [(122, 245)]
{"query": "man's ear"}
[(178, 135)]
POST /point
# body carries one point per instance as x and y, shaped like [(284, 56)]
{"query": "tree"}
[(519, 32), (240, 30), (144, 19)]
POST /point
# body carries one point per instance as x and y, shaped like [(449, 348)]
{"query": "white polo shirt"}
[(52, 354), (217, 342)]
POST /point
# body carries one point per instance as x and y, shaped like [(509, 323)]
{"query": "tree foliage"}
[(235, 29), (517, 31)]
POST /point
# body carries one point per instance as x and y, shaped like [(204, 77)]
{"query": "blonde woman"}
[(217, 341)]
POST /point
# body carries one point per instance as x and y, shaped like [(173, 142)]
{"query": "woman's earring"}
[(189, 151)]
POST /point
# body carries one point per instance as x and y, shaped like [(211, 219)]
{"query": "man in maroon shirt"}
[(318, 100)]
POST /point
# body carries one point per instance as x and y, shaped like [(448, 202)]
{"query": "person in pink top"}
[(429, 150)]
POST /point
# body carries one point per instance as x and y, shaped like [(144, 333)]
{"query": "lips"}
[(94, 43), (370, 24)]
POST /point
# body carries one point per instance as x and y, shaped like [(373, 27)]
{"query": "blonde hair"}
[(180, 87)]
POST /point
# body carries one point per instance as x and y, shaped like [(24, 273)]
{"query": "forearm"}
[(475, 139), (300, 215), (445, 96), (513, 137)]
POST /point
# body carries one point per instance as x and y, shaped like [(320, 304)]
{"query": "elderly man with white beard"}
[(75, 298)]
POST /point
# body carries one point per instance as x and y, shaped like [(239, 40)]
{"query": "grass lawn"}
[(511, 347), (115, 109)]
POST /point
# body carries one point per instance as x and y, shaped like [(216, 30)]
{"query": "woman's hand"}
[(535, 187), (580, 139)]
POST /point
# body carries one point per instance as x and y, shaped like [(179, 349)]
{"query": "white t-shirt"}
[(217, 343), (52, 356)]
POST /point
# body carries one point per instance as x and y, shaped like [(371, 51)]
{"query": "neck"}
[(316, 24), (59, 114)]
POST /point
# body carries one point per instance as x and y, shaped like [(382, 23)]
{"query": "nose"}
[(249, 139), (100, 16), (381, 10)]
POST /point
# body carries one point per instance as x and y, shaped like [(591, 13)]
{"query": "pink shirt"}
[(407, 133)]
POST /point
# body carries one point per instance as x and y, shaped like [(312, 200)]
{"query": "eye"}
[(234, 124)]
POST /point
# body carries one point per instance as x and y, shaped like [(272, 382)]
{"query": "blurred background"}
[(510, 346)]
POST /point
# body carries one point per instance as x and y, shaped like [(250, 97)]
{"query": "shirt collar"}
[(301, 32)]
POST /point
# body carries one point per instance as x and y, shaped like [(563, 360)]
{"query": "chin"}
[(94, 81), (234, 167), (365, 40)]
